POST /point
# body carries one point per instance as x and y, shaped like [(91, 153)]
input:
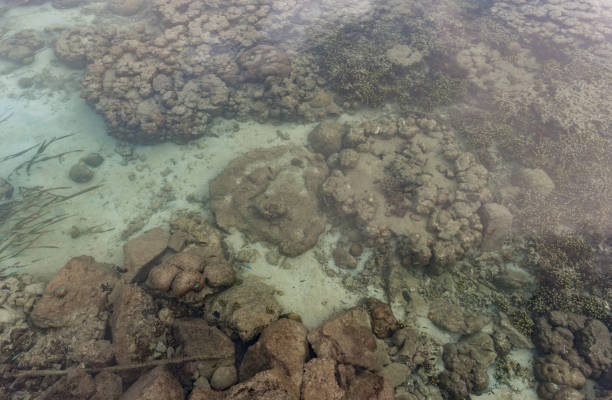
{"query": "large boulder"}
[(79, 289), (200, 339), (281, 345), (319, 381), (347, 339), (243, 310), (272, 195)]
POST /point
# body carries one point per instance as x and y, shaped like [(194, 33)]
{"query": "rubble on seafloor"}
[(174, 323)]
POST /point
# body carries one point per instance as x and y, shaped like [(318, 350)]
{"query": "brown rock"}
[(177, 241), (326, 138), (267, 385), (347, 339), (219, 275), (185, 281), (135, 326), (161, 276), (158, 384), (454, 319), (319, 381), (94, 353), (497, 222), (224, 377), (384, 323), (343, 258), (76, 385), (282, 345), (109, 386), (200, 339), (364, 385), (206, 393), (243, 310), (75, 290), (141, 251)]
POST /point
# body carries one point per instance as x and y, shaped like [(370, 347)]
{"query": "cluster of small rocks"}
[(360, 354), (81, 172), (18, 293)]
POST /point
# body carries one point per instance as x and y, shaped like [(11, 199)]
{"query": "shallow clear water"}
[(459, 138)]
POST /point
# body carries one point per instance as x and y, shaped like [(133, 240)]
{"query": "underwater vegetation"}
[(361, 67), (569, 280)]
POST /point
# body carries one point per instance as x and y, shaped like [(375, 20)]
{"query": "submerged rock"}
[(22, 46), (80, 173), (6, 189), (243, 310), (497, 221), (77, 289), (272, 195), (157, 384), (347, 339), (397, 178), (140, 252), (282, 345)]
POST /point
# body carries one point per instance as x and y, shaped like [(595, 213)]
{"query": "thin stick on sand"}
[(114, 368)]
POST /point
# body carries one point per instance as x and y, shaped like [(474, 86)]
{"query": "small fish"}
[(248, 267)]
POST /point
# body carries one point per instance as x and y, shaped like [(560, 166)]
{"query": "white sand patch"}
[(303, 286), (40, 17)]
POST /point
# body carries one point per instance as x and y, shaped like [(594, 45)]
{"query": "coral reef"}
[(575, 348), (78, 46), (407, 180), (200, 60), (22, 46)]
